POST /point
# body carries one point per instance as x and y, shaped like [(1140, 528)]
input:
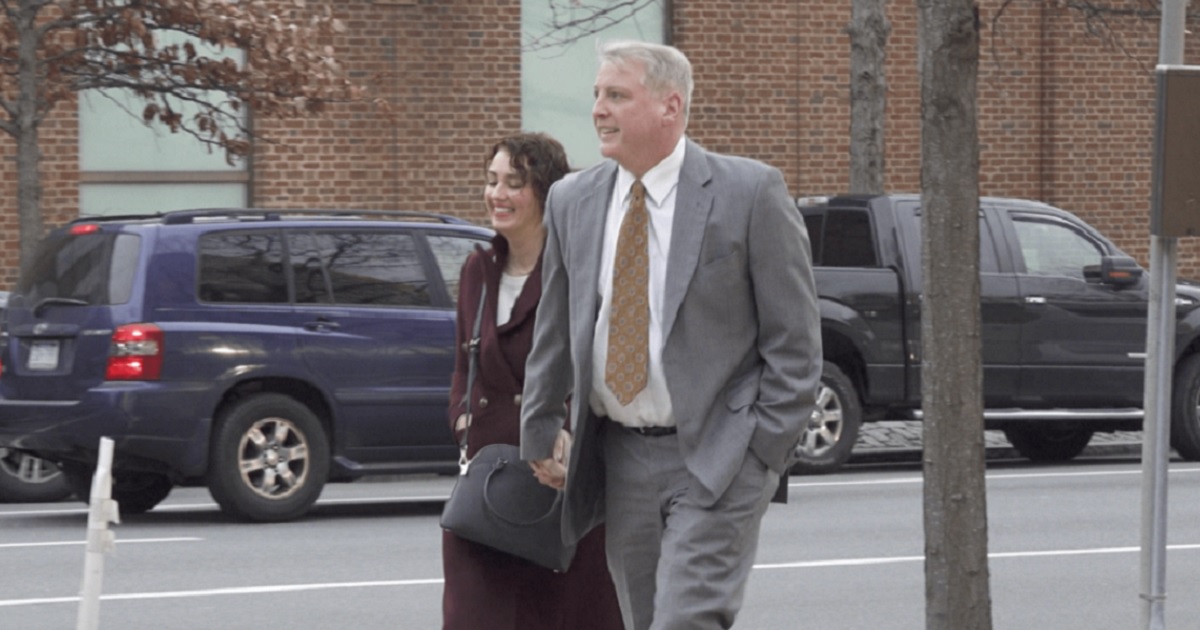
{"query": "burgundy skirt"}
[(486, 588)]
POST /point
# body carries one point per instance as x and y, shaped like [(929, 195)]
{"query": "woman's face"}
[(511, 202)]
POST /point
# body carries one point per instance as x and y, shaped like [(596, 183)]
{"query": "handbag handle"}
[(497, 467)]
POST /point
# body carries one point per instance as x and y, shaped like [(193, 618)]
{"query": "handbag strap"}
[(472, 367)]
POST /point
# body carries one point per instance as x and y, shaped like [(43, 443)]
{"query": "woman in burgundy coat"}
[(487, 589)]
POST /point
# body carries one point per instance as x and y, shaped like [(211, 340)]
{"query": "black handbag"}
[(497, 501)]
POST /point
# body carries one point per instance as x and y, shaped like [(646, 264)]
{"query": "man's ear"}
[(672, 108)]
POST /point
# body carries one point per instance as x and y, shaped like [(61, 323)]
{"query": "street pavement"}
[(900, 440)]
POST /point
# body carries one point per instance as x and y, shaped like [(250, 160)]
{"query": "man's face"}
[(633, 124)]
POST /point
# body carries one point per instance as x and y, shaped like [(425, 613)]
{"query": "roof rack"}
[(276, 214), (176, 217), (103, 218)]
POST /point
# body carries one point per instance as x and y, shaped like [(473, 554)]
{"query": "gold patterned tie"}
[(629, 321)]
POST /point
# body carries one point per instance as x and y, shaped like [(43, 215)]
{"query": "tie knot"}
[(637, 192)]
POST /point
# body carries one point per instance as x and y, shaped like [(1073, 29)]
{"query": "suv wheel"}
[(28, 479), (831, 432), (135, 492), (1049, 442), (270, 459)]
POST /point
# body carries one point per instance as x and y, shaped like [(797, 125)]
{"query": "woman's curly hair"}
[(536, 158)]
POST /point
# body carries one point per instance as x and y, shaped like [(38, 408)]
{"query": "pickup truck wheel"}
[(1048, 442), (28, 479), (832, 430), (135, 492), (1185, 410), (270, 459)]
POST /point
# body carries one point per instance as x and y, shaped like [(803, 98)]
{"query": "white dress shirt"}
[(652, 406)]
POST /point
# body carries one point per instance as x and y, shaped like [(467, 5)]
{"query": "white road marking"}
[(168, 507), (856, 562), (122, 541), (246, 590), (990, 476)]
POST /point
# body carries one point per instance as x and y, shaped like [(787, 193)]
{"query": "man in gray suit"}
[(685, 414)]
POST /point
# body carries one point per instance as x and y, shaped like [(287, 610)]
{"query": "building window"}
[(128, 167), (557, 77)]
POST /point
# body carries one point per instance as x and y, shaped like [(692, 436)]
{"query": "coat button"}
[(517, 400), (483, 402)]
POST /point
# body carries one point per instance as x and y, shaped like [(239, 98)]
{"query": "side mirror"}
[(1115, 271)]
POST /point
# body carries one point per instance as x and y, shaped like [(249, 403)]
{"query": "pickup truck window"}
[(841, 238), (1054, 248)]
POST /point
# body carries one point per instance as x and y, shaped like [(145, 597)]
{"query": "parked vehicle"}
[(258, 352), (1063, 322), (25, 478)]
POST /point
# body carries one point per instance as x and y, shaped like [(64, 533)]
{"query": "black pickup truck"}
[(1063, 320)]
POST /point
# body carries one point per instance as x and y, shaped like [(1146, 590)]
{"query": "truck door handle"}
[(1035, 299)]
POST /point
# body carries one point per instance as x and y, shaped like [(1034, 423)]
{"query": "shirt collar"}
[(659, 181)]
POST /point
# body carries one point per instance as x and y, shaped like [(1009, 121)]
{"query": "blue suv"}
[(260, 353)]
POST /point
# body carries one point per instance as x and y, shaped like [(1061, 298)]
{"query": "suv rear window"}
[(95, 267)]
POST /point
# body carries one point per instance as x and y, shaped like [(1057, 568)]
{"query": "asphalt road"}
[(845, 554)]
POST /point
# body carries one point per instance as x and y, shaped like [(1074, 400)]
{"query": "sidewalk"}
[(900, 440)]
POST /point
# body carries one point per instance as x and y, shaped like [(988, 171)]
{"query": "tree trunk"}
[(29, 182), (868, 30), (956, 566)]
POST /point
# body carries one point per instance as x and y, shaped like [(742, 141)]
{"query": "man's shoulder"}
[(588, 177), (737, 167)]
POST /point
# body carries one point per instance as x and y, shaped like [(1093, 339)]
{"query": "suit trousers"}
[(677, 565)]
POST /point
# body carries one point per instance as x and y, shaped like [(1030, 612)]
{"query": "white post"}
[(102, 510)]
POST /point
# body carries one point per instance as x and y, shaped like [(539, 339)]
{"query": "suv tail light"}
[(135, 353)]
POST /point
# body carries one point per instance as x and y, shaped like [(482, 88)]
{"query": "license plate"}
[(43, 355)]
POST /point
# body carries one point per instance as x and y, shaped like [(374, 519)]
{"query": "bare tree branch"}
[(1106, 21), (168, 56), (573, 20)]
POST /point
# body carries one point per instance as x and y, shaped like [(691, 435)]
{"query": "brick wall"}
[(1066, 117), (451, 72)]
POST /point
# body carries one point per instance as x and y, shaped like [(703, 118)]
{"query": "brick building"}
[(1066, 116)]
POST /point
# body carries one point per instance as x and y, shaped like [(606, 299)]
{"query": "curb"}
[(912, 454)]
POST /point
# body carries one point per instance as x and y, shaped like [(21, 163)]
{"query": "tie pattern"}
[(629, 322)]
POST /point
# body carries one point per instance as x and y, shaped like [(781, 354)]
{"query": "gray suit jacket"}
[(742, 341)]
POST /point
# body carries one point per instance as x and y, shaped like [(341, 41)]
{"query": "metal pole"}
[(1160, 354), (1160, 346)]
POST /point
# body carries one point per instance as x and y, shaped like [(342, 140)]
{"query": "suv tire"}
[(27, 479), (269, 459), (830, 434), (135, 492)]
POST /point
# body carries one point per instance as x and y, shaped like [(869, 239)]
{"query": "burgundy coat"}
[(485, 588), (500, 374)]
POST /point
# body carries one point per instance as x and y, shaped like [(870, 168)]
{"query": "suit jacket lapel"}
[(589, 237), (693, 202)]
